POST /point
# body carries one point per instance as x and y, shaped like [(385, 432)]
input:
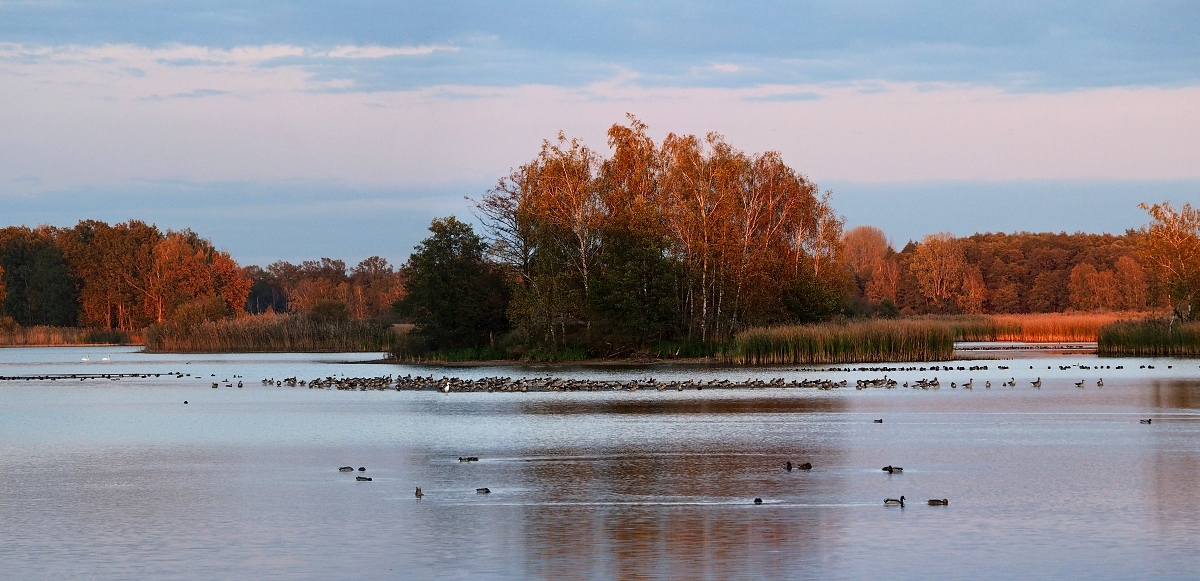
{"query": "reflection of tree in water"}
[(1171, 395), (1175, 465), (683, 509)]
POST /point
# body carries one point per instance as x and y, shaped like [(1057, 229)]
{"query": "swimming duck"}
[(1147, 421), (894, 501), (346, 469), (484, 490), (937, 502), (879, 421), (363, 478)]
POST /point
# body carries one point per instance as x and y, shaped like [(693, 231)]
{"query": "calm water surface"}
[(121, 480)]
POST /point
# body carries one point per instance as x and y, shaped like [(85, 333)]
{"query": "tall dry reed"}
[(1150, 338), (1033, 328), (855, 342), (270, 333), (42, 336)]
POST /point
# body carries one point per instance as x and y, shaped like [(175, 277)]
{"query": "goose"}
[(346, 469), (484, 490), (879, 421), (1012, 382), (892, 469), (419, 493), (969, 384), (363, 478), (1100, 382), (1037, 383), (1079, 383), (757, 501), (953, 386), (894, 501), (788, 466), (937, 502), (1147, 421), (987, 384), (805, 466)]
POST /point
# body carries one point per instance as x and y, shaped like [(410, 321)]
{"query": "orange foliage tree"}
[(689, 239)]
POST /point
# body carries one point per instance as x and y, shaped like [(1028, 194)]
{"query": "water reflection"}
[(683, 509), (1176, 395), (722, 403)]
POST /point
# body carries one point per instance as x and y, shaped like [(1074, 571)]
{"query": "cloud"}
[(375, 51), (784, 97)]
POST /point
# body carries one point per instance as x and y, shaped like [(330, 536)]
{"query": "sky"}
[(296, 130)]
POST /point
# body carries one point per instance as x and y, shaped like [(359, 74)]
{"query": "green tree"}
[(456, 298)]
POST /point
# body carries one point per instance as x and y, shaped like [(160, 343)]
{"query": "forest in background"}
[(673, 248)]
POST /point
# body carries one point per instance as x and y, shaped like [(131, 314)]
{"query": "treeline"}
[(1000, 273), (689, 240), (325, 288), (123, 276)]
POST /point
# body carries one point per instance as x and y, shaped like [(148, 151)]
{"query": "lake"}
[(119, 479)]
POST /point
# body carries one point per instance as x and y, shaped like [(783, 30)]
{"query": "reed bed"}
[(271, 333), (42, 336), (857, 342), (1034, 328), (1150, 338)]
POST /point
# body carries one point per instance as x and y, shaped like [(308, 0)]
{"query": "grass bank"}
[(271, 333), (40, 336), (1150, 338)]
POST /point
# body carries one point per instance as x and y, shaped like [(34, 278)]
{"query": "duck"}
[(805, 466), (484, 490), (878, 421), (363, 478), (892, 469), (757, 501), (894, 501), (1037, 383), (419, 493), (346, 469), (938, 502), (1146, 421)]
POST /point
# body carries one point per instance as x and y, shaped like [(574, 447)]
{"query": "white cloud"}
[(374, 51)]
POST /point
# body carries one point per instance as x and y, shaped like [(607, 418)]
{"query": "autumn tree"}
[(938, 268), (690, 238), (1172, 251)]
